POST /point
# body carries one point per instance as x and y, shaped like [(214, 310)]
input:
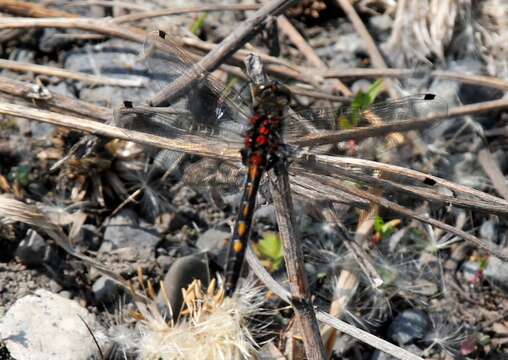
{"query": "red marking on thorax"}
[(261, 140), (264, 130), (255, 119)]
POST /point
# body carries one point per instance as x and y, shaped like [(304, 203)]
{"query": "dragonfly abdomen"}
[(261, 143), (242, 227)]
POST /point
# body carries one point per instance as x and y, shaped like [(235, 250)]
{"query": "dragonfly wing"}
[(171, 123), (405, 109), (209, 99), (307, 121), (212, 173)]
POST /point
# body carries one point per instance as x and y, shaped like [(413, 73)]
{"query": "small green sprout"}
[(270, 247), (197, 25), (385, 229), (361, 102)]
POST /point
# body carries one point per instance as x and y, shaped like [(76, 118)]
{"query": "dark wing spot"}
[(429, 97), (429, 181)]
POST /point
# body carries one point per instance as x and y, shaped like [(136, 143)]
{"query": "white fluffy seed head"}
[(211, 326)]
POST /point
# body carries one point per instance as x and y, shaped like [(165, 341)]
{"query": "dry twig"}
[(67, 74)]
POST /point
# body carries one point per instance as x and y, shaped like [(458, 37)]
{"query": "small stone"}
[(65, 294), (55, 287), (183, 271), (105, 290), (123, 231), (34, 251), (408, 326), (361, 85), (89, 237), (48, 326), (497, 272)]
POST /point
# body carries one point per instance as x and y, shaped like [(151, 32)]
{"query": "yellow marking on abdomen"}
[(242, 229), (245, 210), (237, 246)]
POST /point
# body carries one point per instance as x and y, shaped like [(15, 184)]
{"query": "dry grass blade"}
[(12, 211), (491, 167), (423, 191), (136, 16), (55, 102), (66, 74), (100, 26), (480, 80)]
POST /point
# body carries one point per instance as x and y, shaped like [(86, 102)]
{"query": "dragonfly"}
[(263, 126)]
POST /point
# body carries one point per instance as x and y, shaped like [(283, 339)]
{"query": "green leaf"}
[(270, 246), (374, 91), (382, 228), (197, 25), (378, 224), (361, 102)]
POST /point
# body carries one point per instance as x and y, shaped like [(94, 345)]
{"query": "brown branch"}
[(426, 193), (480, 80), (100, 26), (184, 10), (29, 9), (293, 256), (66, 74), (409, 173), (55, 102)]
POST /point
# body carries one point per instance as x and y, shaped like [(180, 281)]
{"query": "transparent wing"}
[(213, 173), (171, 123), (307, 121), (209, 99)]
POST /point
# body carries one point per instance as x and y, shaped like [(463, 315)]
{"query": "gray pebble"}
[(408, 326), (105, 290), (183, 271)]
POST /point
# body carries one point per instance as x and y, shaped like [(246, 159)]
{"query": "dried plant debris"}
[(210, 325), (421, 30)]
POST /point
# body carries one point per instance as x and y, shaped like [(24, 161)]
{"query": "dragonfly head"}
[(270, 97)]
